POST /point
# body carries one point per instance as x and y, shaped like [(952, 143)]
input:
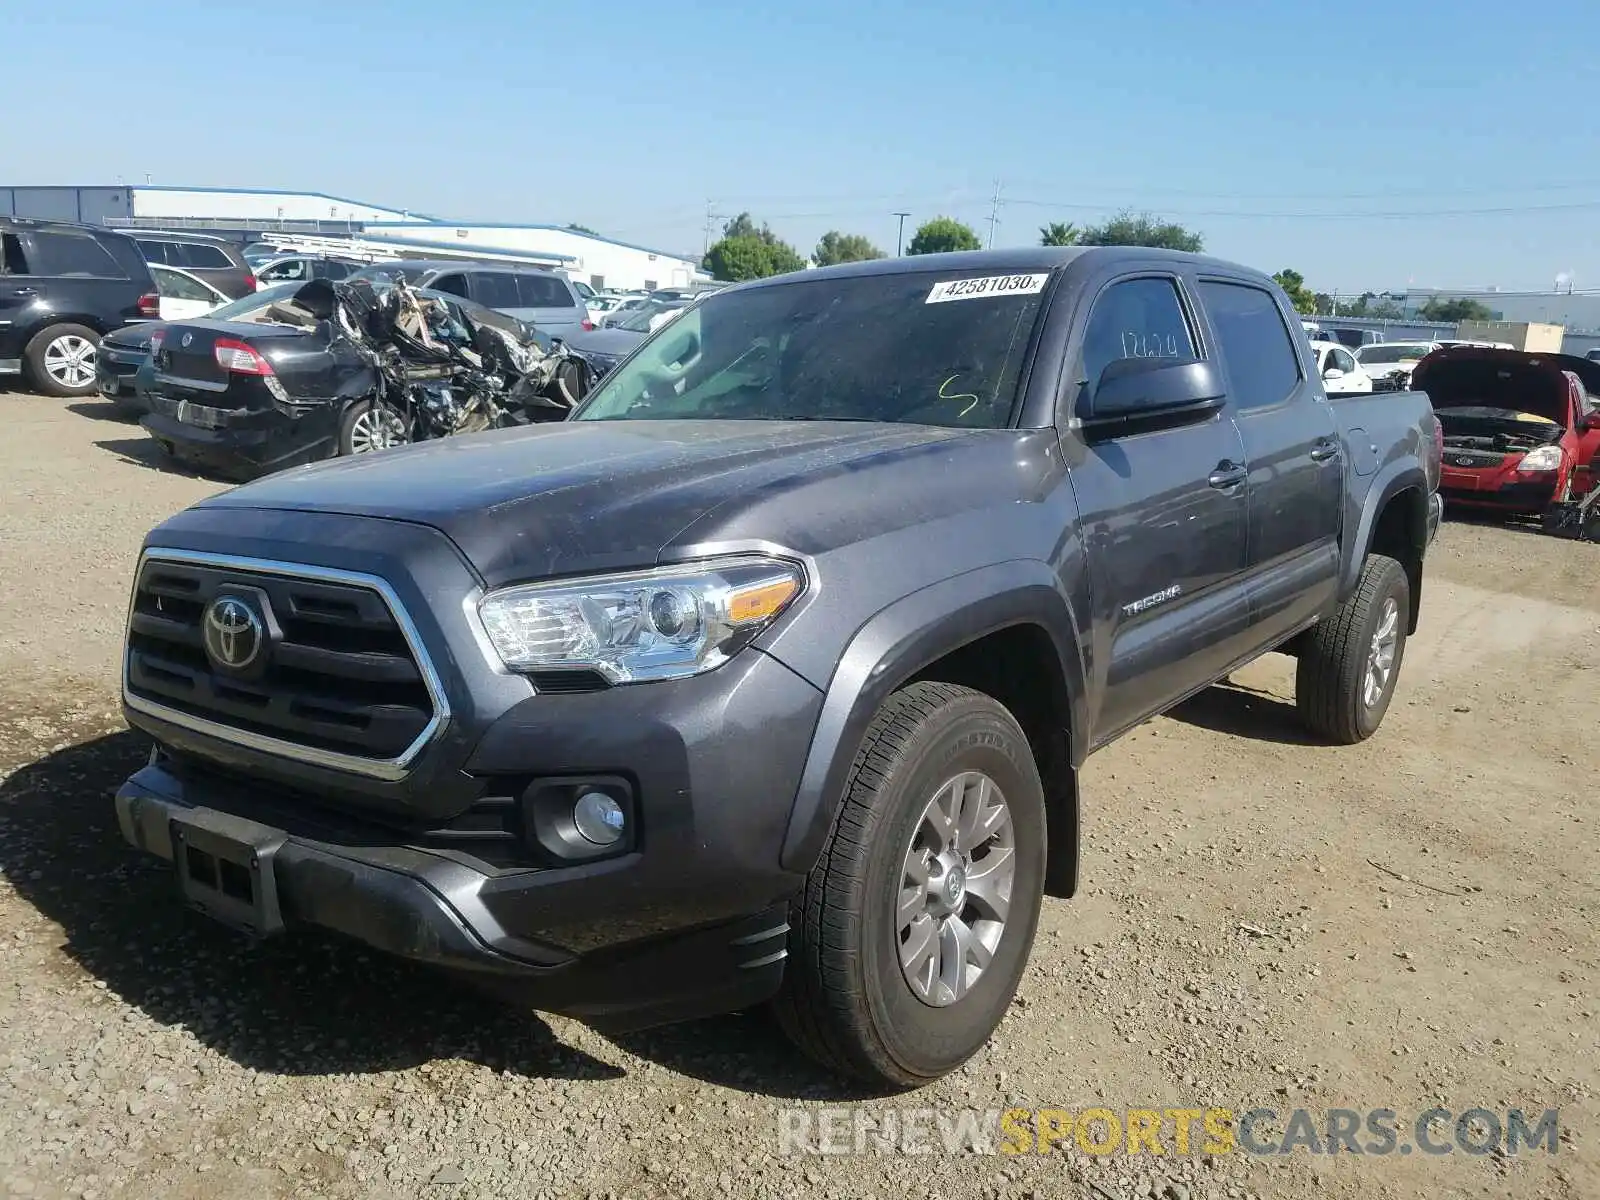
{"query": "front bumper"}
[(1480, 490), (433, 908), (114, 375)]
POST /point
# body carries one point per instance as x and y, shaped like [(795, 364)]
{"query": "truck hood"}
[(586, 496)]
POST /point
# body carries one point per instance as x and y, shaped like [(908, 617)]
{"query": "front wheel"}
[(1349, 663), (61, 360), (914, 928)]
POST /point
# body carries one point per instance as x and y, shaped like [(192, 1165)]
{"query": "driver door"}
[(1164, 517)]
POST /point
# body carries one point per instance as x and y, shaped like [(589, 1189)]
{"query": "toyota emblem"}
[(234, 633)]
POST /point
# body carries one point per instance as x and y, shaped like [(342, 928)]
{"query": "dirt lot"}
[(1267, 923)]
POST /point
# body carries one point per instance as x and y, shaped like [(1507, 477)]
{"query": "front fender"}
[(901, 640)]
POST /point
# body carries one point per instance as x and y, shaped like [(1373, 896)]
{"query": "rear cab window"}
[(1255, 345)]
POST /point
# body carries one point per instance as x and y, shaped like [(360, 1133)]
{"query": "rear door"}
[(183, 296), (17, 294), (1292, 448), (1164, 514)]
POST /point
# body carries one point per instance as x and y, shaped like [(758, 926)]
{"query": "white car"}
[(184, 295), (1338, 368), (1390, 363)]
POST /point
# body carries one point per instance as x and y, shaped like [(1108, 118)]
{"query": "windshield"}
[(920, 348), (1394, 352)]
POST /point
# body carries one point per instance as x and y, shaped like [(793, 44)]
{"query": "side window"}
[(154, 252), (15, 263), (75, 254), (542, 291), (1263, 366), (289, 271), (456, 285), (332, 269), (198, 254), (1139, 318), (496, 289), (180, 287)]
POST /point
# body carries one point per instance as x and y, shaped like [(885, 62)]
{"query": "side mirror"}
[(1332, 373), (1135, 388)]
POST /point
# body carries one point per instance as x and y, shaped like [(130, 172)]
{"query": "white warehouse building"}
[(600, 262), (240, 212)]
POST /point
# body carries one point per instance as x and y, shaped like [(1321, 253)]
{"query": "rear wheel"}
[(61, 360), (1349, 663), (368, 426), (915, 925)]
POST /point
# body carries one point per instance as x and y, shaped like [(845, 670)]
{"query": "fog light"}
[(598, 818)]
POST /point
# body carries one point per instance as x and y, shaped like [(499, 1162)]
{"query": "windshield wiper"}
[(814, 417)]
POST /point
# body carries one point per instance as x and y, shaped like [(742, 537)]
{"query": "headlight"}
[(1545, 458), (661, 624)]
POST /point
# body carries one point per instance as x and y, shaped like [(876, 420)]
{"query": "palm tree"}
[(1058, 233)]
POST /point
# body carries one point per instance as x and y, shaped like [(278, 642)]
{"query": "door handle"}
[(1227, 475), (24, 291), (1323, 451)]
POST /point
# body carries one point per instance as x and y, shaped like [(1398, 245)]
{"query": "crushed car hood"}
[(583, 496)]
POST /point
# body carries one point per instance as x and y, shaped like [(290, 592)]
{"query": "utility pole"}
[(994, 213), (712, 218), (900, 238)]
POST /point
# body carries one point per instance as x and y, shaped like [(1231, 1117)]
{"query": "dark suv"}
[(61, 288), (216, 260)]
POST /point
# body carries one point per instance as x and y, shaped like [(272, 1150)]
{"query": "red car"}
[(1521, 430)]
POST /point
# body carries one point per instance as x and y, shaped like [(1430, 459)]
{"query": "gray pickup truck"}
[(768, 675)]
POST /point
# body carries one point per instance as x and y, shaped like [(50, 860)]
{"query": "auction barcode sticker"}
[(988, 285)]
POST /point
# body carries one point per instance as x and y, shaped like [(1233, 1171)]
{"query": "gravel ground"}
[(1266, 923)]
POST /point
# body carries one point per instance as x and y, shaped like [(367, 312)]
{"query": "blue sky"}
[(1286, 138)]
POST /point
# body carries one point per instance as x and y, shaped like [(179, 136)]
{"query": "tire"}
[(846, 1001), (358, 416), (1340, 687), (60, 360)]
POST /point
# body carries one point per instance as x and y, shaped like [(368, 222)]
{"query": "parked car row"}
[(64, 287)]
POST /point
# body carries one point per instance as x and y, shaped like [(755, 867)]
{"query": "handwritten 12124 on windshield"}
[(988, 285)]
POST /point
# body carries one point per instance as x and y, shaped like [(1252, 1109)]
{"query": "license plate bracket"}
[(226, 869)]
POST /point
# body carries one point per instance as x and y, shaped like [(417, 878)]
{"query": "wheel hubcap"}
[(69, 360), (955, 889), (376, 430), (1380, 658)]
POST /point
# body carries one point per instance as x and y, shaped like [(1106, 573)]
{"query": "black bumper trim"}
[(422, 906)]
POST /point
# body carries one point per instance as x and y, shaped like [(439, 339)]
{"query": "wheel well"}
[(1019, 667), (1401, 533), (57, 319)]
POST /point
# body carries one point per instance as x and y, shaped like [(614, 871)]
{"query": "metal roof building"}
[(241, 212)]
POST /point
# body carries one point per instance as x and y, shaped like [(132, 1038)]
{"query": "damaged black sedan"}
[(338, 369)]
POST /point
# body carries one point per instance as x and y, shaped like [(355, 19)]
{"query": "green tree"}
[(749, 251), (943, 234), (735, 259), (1386, 310), (1059, 233), (1294, 283), (1141, 229), (836, 247), (1438, 309), (576, 228)]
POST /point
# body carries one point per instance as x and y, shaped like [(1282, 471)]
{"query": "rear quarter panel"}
[(1386, 438)]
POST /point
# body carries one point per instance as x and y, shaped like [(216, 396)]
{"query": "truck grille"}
[(318, 664)]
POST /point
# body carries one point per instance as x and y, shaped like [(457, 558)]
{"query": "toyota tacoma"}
[(769, 674)]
